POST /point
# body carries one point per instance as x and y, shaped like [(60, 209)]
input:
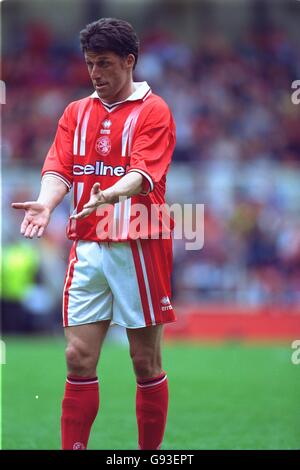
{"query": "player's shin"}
[(79, 410), (151, 411)]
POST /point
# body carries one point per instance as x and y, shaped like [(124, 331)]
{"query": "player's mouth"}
[(100, 86)]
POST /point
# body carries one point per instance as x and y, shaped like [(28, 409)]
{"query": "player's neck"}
[(122, 96)]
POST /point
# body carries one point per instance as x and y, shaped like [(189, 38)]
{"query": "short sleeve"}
[(59, 160), (153, 145)]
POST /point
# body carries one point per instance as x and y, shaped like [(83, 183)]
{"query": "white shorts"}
[(125, 282)]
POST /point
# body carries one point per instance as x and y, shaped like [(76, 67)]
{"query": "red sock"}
[(151, 411), (79, 410)]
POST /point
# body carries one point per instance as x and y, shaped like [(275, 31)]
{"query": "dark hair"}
[(110, 34)]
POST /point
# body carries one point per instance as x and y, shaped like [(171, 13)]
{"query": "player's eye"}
[(104, 64)]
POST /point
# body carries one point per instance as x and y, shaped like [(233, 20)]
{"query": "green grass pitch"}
[(223, 396)]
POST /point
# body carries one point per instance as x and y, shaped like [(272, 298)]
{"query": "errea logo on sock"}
[(78, 446)]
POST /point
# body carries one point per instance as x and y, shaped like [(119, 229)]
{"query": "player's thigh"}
[(87, 297), (86, 340)]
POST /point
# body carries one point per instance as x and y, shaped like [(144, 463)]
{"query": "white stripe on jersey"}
[(132, 127), (79, 193), (129, 128), (83, 131), (130, 133), (75, 199), (125, 135), (75, 141)]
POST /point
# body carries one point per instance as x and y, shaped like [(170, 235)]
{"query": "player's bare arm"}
[(37, 213), (127, 186)]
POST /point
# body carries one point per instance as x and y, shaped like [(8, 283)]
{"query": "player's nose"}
[(95, 72)]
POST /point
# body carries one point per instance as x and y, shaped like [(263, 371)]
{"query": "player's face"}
[(111, 75)]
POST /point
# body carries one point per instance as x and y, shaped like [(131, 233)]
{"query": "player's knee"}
[(79, 360), (146, 365), (72, 356)]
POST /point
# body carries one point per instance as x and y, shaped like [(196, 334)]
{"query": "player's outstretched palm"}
[(96, 198), (36, 218)]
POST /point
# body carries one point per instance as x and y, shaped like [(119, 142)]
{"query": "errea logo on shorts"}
[(99, 169), (166, 304)]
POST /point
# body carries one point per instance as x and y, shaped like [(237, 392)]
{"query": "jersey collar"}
[(142, 89)]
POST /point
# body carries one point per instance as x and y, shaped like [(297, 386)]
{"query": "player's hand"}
[(37, 217), (97, 197)]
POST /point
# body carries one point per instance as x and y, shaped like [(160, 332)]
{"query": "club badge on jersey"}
[(103, 144)]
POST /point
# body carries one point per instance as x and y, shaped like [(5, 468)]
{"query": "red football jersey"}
[(97, 142)]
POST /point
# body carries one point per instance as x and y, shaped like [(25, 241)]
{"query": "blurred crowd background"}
[(226, 70)]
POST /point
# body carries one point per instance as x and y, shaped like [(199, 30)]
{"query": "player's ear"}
[(130, 60)]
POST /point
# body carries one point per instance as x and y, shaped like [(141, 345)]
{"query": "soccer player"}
[(113, 149)]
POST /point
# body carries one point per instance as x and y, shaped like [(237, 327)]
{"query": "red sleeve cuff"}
[(58, 176), (147, 185)]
